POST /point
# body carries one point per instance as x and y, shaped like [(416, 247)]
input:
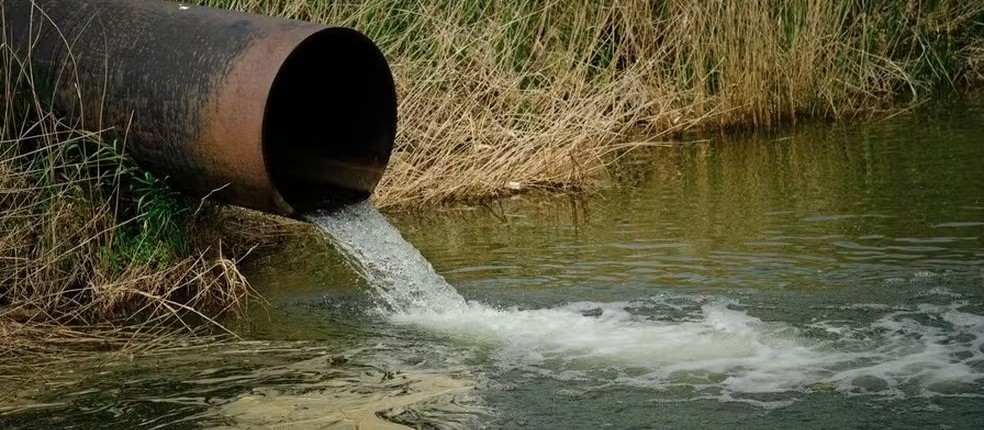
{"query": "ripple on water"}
[(250, 385), (959, 224), (726, 354), (710, 350)]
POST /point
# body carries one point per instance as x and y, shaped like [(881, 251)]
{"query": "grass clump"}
[(539, 93), (94, 250)]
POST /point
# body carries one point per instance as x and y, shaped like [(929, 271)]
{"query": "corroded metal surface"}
[(190, 88)]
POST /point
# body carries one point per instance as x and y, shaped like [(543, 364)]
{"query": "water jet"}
[(277, 115)]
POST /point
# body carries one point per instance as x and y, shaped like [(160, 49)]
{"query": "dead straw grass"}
[(506, 93), (94, 255), (494, 96)]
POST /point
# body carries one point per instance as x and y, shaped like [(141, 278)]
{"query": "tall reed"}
[(506, 93)]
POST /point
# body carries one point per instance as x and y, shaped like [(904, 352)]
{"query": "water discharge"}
[(812, 277), (702, 345), (402, 280)]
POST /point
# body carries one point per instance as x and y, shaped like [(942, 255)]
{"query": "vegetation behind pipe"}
[(503, 93), (537, 93)]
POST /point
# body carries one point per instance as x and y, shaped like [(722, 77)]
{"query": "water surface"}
[(824, 276), (820, 276)]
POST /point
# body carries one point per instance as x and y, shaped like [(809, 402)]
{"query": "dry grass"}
[(540, 92), (494, 95), (974, 54), (94, 253)]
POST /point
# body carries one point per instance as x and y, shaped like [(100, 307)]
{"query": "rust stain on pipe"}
[(231, 118), (276, 115)]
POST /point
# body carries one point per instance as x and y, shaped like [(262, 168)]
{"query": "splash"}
[(714, 351), (709, 349), (402, 280)]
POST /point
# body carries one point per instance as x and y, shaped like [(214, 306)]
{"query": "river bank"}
[(495, 97), (818, 276), (498, 95)]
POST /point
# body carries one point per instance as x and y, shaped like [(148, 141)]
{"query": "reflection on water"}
[(816, 270), (719, 352), (756, 213), (820, 277)]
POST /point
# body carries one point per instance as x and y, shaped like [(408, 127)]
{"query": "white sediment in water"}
[(715, 351), (357, 401)]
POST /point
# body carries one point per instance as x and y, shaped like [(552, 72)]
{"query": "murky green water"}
[(859, 238), (817, 277)]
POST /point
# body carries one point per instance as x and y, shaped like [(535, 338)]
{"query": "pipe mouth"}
[(330, 121)]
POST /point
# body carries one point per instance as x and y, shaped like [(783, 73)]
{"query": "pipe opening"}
[(330, 121)]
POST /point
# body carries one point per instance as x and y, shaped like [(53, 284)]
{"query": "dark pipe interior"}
[(330, 121)]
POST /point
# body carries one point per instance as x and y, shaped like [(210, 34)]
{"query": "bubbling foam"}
[(728, 354), (712, 350)]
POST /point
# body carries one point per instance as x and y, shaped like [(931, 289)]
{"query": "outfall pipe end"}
[(277, 115), (329, 123)]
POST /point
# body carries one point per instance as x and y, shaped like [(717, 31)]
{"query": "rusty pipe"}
[(277, 115)]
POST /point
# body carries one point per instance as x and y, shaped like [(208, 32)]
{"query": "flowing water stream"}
[(712, 350), (816, 277), (402, 280), (892, 228)]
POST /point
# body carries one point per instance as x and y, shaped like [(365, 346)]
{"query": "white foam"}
[(719, 351), (615, 335), (727, 350)]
